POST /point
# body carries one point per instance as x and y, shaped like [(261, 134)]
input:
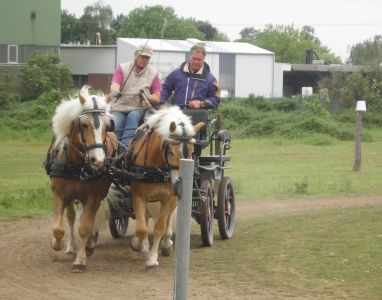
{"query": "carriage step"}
[(214, 158)]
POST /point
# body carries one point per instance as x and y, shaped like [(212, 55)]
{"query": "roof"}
[(185, 45), (326, 68)]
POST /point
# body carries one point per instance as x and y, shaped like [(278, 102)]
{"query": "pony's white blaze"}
[(97, 155)]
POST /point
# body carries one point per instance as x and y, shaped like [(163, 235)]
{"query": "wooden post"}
[(361, 107), (183, 230)]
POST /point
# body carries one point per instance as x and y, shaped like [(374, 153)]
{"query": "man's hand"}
[(195, 104), (116, 94)]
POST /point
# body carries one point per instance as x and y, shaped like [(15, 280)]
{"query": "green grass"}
[(24, 186), (260, 168), (330, 254), (263, 168)]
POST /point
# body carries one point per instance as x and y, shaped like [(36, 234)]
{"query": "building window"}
[(227, 66), (13, 54)]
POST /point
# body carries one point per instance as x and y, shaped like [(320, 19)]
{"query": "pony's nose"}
[(96, 163)]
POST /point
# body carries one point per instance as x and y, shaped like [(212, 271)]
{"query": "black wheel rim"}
[(228, 206)]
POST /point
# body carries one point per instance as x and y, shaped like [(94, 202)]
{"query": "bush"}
[(259, 103), (44, 73), (345, 90), (51, 98), (8, 88), (286, 105)]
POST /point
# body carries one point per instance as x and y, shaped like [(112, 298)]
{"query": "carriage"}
[(213, 194)]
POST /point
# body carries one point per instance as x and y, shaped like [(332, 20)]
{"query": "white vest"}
[(135, 82)]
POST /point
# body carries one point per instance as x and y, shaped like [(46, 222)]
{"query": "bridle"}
[(95, 112), (183, 139)]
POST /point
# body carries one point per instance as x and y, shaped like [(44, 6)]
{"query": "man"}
[(193, 84), (133, 83)]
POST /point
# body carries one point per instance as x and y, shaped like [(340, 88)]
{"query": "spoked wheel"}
[(226, 208), (118, 225), (206, 208)]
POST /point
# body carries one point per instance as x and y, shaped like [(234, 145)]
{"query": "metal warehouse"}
[(240, 68)]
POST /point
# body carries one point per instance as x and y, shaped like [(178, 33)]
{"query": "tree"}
[(116, 25), (72, 29), (210, 32), (43, 73), (158, 22), (369, 52), (288, 43), (98, 18), (249, 33)]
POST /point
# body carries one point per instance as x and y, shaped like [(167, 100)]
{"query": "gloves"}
[(116, 94), (142, 96)]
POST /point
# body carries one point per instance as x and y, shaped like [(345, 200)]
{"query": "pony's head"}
[(177, 133), (84, 122)]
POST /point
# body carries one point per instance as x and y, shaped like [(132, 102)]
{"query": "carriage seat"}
[(199, 115)]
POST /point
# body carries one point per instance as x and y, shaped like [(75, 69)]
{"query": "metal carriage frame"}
[(213, 194)]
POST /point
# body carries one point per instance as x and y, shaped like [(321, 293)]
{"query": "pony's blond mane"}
[(162, 119), (69, 109)]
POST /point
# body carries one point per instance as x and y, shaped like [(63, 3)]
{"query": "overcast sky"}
[(339, 24)]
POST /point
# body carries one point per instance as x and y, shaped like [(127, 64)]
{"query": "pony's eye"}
[(84, 126)]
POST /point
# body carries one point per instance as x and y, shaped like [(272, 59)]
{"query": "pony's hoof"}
[(89, 251), (57, 245), (135, 244), (166, 251), (78, 268), (70, 249), (152, 264)]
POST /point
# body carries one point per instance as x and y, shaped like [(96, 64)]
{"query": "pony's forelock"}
[(162, 119), (70, 109)]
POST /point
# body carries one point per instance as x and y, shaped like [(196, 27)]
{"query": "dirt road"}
[(29, 269)]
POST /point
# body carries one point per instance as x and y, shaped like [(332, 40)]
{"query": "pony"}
[(153, 157), (77, 164)]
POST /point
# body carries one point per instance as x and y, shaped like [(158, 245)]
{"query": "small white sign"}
[(306, 91), (361, 105)]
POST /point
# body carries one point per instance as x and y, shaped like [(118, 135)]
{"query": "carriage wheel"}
[(118, 225), (206, 208), (226, 208)]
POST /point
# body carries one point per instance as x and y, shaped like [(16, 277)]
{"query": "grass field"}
[(260, 168), (263, 168)]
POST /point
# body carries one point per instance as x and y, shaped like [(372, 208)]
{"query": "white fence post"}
[(183, 230)]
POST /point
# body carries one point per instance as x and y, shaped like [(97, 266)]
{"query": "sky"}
[(339, 24)]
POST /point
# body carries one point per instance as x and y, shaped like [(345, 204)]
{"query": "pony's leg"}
[(71, 217), (166, 244), (140, 241), (100, 218), (167, 208), (85, 231), (58, 229)]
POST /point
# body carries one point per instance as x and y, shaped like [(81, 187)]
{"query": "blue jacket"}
[(186, 86)]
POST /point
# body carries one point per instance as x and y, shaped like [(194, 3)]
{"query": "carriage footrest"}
[(214, 158)]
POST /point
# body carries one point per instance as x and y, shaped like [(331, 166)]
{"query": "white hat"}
[(145, 50)]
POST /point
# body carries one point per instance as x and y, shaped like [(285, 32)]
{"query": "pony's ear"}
[(199, 126), (109, 98), (172, 127), (82, 98)]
